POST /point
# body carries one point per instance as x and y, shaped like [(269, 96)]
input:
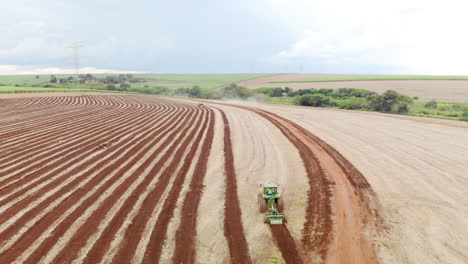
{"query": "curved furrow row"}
[(86, 140), (233, 229), (49, 134), (149, 232), (52, 138), (47, 118), (149, 192), (79, 234), (74, 181), (186, 233), (15, 112), (39, 178), (336, 188), (67, 133), (46, 162), (80, 191)]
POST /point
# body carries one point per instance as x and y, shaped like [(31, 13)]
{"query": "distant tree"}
[(431, 104), (390, 101), (111, 79), (195, 91), (277, 92), (235, 91), (111, 87), (325, 91), (125, 85), (53, 79), (37, 77)]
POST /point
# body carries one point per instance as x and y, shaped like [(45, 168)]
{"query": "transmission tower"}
[(76, 57)]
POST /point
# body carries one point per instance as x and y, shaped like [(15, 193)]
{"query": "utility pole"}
[(76, 58)]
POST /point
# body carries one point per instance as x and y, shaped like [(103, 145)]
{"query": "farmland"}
[(377, 77), (171, 81), (132, 179), (140, 179)]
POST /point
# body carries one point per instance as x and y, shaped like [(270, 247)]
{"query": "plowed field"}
[(139, 179)]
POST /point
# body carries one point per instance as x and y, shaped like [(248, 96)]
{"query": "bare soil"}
[(418, 170), (166, 180)]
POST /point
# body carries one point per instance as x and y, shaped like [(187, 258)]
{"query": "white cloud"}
[(21, 69), (409, 36)]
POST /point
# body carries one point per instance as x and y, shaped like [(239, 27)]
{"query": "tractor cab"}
[(270, 190)]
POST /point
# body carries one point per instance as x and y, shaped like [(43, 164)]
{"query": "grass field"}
[(206, 81), (377, 78), (14, 89)]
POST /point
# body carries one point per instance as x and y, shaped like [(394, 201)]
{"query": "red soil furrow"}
[(76, 170), (49, 162), (100, 109), (233, 229), (45, 117), (79, 239), (351, 198), (48, 140), (15, 105), (136, 152), (24, 112), (121, 130), (132, 236), (50, 120), (286, 244), (185, 235), (51, 139), (318, 225), (36, 115)]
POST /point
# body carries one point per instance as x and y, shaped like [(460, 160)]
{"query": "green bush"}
[(111, 87), (316, 100), (354, 103), (431, 104), (464, 115), (390, 101), (234, 91)]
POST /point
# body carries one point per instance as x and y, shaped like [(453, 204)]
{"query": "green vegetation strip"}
[(378, 78), (204, 81), (203, 86)]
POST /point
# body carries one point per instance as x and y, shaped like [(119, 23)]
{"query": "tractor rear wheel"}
[(261, 203), (280, 205)]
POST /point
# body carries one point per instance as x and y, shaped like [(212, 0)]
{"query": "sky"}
[(242, 36)]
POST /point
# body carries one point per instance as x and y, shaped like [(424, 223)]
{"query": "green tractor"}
[(270, 204)]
